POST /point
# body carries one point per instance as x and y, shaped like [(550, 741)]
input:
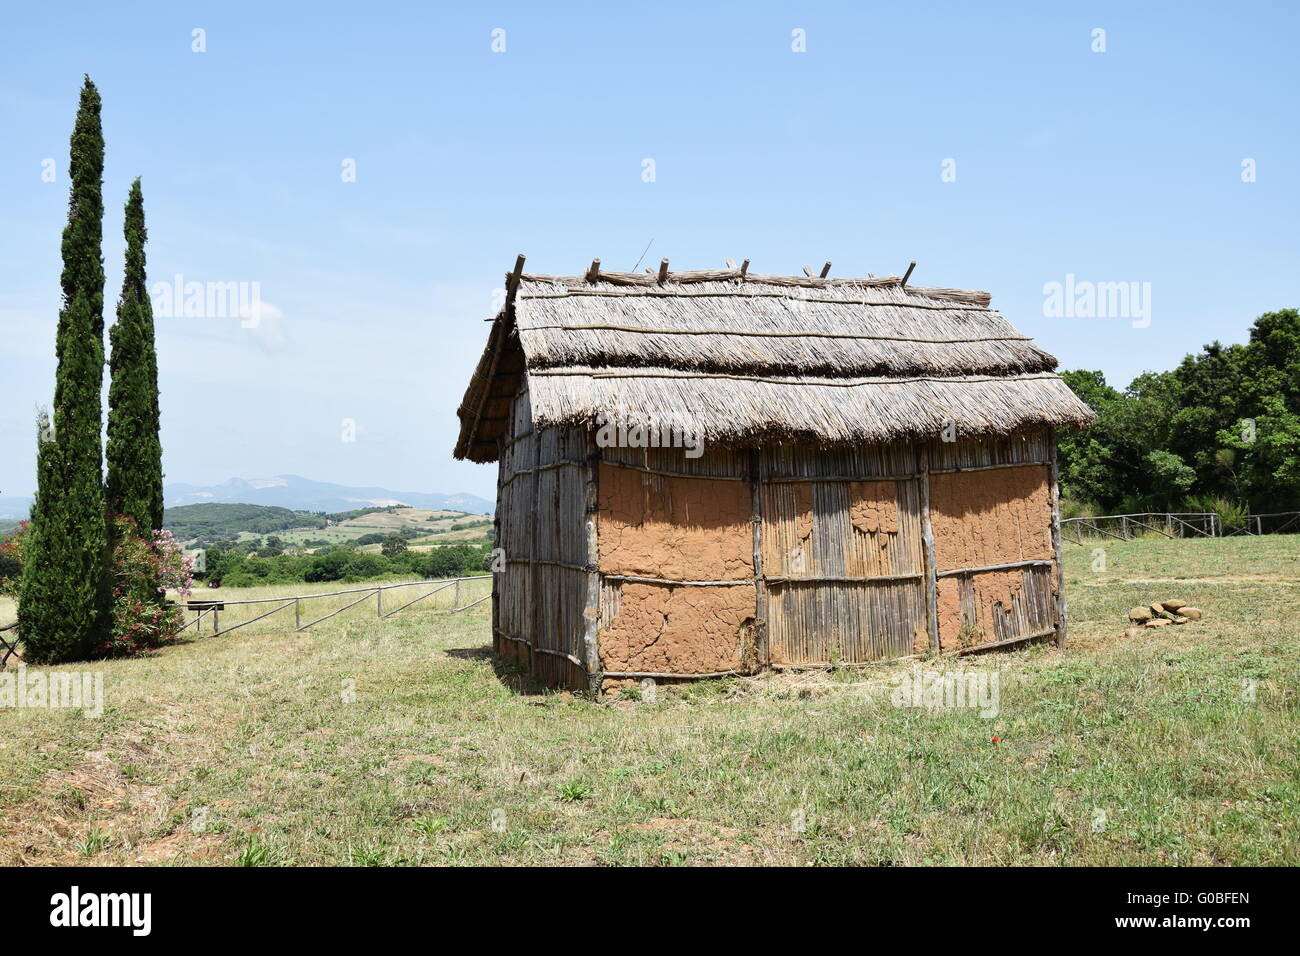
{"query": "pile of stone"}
[(1162, 614)]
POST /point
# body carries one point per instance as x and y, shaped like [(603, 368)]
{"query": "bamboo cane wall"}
[(540, 595), (782, 555)]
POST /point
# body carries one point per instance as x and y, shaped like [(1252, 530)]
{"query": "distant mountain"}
[(14, 508), (303, 494), (285, 491)]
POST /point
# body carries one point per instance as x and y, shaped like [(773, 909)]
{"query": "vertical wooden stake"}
[(379, 602), (927, 541), (496, 535), (763, 648), (1062, 606), (536, 623), (297, 613), (591, 607), (455, 598)]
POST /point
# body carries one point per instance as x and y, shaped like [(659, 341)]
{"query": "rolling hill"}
[(205, 524), (303, 494)]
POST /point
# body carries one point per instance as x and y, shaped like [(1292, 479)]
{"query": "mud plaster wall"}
[(677, 630), (806, 537), (993, 593), (873, 507), (991, 517), (684, 529)]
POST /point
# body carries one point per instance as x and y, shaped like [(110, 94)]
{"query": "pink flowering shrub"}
[(11, 558), (143, 570)]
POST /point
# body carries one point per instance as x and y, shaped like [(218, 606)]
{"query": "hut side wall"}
[(538, 621), (991, 509), (676, 562), (782, 555)]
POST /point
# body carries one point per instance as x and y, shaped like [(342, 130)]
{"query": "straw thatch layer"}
[(729, 408), (736, 356)]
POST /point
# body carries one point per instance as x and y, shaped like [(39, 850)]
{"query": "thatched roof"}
[(738, 356)]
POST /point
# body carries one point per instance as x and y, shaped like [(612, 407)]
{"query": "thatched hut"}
[(712, 472)]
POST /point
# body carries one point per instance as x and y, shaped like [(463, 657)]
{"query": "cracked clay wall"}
[(680, 529), (991, 517), (994, 516)]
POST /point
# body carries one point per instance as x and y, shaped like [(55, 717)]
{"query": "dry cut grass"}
[(397, 742)]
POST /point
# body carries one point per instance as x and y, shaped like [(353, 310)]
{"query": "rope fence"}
[(215, 607), (1170, 524), (462, 590)]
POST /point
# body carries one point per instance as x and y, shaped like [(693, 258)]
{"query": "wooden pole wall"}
[(927, 544), (533, 606), (762, 649), (591, 609), (1062, 606)]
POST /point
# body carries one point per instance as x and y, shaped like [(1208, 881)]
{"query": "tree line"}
[(241, 568), (1221, 432)]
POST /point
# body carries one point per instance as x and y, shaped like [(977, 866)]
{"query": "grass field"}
[(364, 742)]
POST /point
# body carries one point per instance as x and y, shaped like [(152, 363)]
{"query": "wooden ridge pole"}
[(512, 278)]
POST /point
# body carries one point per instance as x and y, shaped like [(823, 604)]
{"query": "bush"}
[(142, 571), (1073, 508), (1232, 515)]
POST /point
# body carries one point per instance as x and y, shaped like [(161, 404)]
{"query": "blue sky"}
[(1119, 166)]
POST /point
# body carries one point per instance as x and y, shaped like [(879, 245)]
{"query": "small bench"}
[(205, 606)]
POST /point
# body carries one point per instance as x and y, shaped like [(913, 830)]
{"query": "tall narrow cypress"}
[(63, 597), (134, 451)]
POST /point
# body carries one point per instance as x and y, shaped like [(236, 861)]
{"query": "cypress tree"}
[(134, 451), (63, 597)]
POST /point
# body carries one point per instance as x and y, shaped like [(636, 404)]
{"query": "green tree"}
[(63, 600), (1172, 479), (134, 451), (1223, 428), (1265, 454), (393, 545), (1212, 390)]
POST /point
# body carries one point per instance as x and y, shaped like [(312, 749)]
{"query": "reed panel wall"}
[(540, 595), (780, 554)]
